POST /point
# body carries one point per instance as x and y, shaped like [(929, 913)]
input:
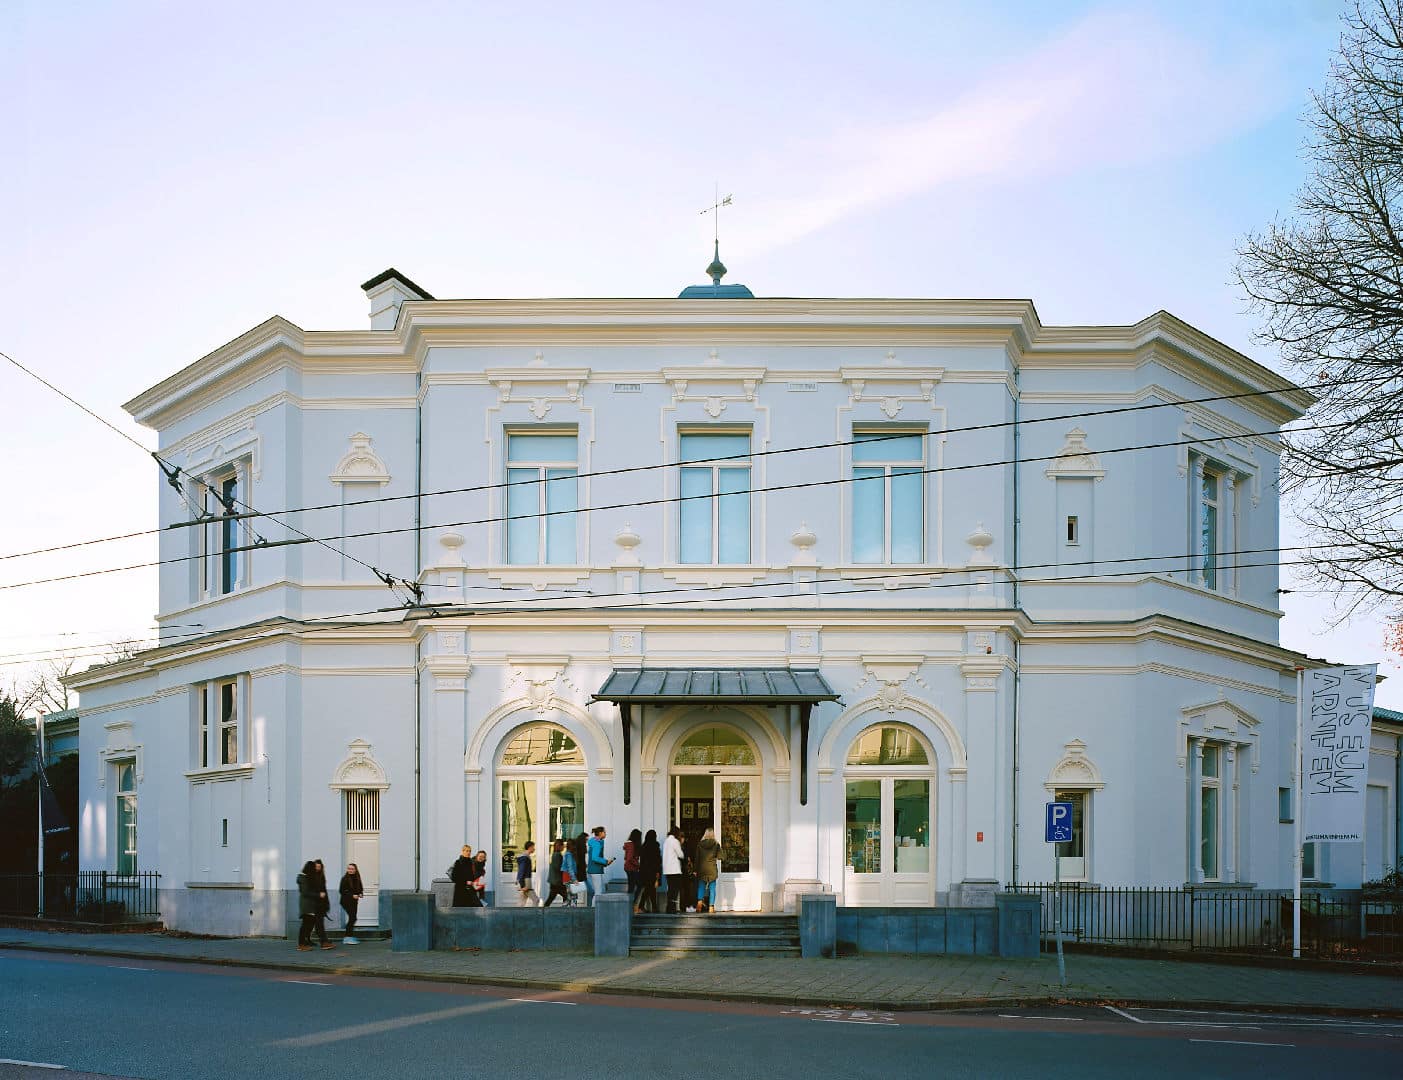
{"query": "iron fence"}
[(94, 896), (1342, 927)]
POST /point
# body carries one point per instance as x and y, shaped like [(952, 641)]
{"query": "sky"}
[(175, 173)]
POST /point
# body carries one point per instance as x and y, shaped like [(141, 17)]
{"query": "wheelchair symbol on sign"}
[(1059, 823)]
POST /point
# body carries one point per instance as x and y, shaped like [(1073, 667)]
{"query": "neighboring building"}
[(60, 735), (1383, 813), (894, 705)]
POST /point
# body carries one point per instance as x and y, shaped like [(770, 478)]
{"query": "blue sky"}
[(184, 171)]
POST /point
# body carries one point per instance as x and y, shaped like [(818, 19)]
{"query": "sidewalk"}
[(873, 982)]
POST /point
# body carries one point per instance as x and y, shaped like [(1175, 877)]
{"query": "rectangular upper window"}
[(714, 510), (218, 727), (542, 470), (225, 537), (888, 496)]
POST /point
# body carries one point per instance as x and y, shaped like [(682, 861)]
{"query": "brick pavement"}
[(888, 982)]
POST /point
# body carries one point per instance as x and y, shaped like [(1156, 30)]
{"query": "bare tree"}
[(46, 691), (1329, 282)]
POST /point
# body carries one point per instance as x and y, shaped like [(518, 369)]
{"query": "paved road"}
[(111, 1017)]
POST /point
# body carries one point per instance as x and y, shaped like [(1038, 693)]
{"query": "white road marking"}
[(1182, 1023), (308, 982), (1242, 1042), (33, 1064), (126, 967), (543, 1001), (1122, 1012), (1068, 1019), (836, 1020)]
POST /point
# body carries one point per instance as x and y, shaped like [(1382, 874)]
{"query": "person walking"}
[(306, 904), (596, 862), (525, 865), (555, 875), (570, 875), (673, 869), (323, 906), (461, 874), (650, 868), (351, 890), (480, 878), (708, 870), (579, 847), (633, 848)]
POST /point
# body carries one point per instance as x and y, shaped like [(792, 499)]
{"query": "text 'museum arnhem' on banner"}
[(1339, 706)]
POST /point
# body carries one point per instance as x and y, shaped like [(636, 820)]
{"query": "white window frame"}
[(221, 538), (542, 518), (1225, 525), (716, 465), (120, 849), (887, 466), (1203, 783), (210, 725), (1064, 793)]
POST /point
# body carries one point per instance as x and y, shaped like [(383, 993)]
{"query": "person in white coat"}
[(673, 869)]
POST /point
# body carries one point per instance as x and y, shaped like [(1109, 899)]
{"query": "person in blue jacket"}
[(569, 874), (596, 863)]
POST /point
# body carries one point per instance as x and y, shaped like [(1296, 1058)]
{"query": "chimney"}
[(387, 291)]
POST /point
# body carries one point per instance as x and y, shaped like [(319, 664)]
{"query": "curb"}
[(950, 1004)]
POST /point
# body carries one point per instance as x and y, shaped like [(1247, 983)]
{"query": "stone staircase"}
[(719, 934)]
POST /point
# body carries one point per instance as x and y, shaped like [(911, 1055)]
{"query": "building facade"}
[(860, 584)]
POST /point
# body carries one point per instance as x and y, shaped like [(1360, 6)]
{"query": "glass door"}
[(540, 809), (887, 852), (724, 804)]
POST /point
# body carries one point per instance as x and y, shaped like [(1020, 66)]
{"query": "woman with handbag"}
[(555, 874), (351, 890), (569, 875), (650, 868)]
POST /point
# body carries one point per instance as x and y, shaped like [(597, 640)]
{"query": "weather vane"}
[(717, 270), (715, 208)]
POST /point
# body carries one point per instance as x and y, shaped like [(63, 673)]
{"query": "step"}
[(715, 950)]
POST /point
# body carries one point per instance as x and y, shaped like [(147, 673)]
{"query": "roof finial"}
[(717, 270)]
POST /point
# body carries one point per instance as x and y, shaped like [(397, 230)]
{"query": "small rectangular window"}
[(202, 755), (228, 723), (1283, 806), (1073, 532), (224, 833), (1308, 862), (1210, 760)]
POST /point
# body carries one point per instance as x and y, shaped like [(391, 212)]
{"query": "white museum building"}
[(860, 584)]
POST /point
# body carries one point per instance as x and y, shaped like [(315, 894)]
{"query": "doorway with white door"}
[(360, 781), (889, 788)]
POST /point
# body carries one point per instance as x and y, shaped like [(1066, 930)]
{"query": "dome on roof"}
[(716, 291)]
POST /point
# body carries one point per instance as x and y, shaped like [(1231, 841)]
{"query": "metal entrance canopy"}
[(804, 687), (761, 686)]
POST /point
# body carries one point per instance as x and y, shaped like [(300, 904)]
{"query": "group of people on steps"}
[(575, 871)]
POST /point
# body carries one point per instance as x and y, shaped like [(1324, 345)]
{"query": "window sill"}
[(714, 574), (221, 772), (1218, 886), (539, 577)]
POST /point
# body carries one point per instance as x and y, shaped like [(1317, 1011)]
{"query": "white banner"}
[(1339, 709)]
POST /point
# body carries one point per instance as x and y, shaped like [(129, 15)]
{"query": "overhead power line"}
[(664, 500), (473, 488)]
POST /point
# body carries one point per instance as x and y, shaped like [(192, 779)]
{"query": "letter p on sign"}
[(1059, 823)]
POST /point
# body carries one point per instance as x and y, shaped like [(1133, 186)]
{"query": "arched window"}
[(542, 783), (542, 744), (890, 744), (714, 746), (889, 787)]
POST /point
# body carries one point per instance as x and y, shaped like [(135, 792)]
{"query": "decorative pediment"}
[(1075, 460), (538, 387), (1075, 770), (360, 464), (1220, 721), (892, 386), (714, 387), (359, 770)]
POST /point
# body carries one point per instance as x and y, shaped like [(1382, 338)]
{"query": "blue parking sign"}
[(1059, 823)]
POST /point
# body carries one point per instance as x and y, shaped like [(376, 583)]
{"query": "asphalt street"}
[(110, 1017)]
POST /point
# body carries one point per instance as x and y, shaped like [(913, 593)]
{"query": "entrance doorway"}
[(715, 784), (363, 849), (889, 784)]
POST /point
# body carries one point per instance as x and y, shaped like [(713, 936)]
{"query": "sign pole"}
[(1057, 919), (39, 737), (1300, 813)]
